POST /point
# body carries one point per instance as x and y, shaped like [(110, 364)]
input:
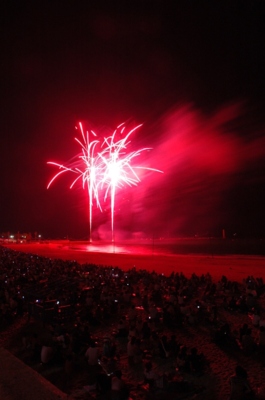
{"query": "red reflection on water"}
[(116, 248)]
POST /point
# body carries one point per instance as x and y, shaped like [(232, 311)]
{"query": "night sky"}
[(192, 72)]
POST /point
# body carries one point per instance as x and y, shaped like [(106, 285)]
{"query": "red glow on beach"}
[(234, 267)]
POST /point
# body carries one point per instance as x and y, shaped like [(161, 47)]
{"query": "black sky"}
[(192, 72)]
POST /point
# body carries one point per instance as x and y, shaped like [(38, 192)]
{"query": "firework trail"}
[(107, 170), (118, 168), (89, 171)]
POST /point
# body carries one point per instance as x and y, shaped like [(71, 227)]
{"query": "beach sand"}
[(234, 267)]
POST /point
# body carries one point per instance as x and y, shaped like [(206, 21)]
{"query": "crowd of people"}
[(139, 315)]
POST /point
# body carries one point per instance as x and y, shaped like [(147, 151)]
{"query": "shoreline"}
[(232, 266)]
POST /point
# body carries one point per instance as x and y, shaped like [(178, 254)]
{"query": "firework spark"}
[(106, 170), (118, 168), (89, 171)]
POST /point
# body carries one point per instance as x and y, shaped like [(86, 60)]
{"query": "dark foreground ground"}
[(222, 361)]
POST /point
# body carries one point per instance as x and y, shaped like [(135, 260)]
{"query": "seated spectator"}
[(173, 346), (155, 344), (47, 352), (145, 302), (164, 348), (132, 330), (248, 344), (232, 304), (132, 314), (26, 341), (169, 315), (182, 359), (239, 385), (261, 393), (251, 289), (91, 382), (192, 318), (92, 354), (131, 350), (103, 383), (122, 328), (138, 353), (35, 346), (185, 309), (151, 377), (181, 298), (223, 335), (119, 391), (139, 326), (242, 304), (262, 321), (255, 317), (153, 313), (213, 313), (242, 331), (250, 301), (173, 298), (195, 361), (106, 350), (146, 331), (68, 365), (261, 338)]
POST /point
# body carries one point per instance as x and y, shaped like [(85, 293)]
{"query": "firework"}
[(88, 169), (104, 170), (118, 168)]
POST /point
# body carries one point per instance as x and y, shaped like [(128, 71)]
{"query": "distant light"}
[(39, 236), (11, 236)]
